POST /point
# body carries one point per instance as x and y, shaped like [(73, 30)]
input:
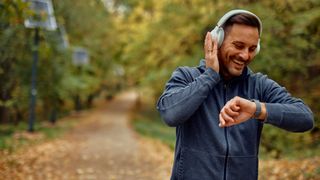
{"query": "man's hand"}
[(211, 53), (236, 111)]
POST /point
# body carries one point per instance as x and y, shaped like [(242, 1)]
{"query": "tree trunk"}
[(4, 114)]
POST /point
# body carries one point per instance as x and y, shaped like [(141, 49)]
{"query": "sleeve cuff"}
[(274, 114), (213, 76)]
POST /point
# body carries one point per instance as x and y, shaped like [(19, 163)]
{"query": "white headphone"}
[(218, 31)]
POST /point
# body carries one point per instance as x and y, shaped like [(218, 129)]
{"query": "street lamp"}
[(42, 17)]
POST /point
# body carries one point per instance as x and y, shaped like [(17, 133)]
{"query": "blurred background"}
[(97, 48)]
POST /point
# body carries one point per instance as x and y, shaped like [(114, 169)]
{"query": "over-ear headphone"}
[(218, 31)]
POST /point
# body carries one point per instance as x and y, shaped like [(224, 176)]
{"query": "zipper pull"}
[(225, 86)]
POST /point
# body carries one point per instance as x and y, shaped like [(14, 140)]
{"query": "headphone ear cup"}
[(258, 48), (218, 33)]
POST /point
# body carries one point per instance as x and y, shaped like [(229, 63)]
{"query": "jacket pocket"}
[(242, 168), (200, 165)]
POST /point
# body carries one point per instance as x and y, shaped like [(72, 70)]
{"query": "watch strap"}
[(258, 108)]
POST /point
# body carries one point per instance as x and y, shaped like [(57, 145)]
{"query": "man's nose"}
[(245, 54)]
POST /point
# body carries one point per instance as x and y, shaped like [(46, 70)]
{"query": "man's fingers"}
[(224, 123), (235, 107), (208, 43), (214, 43), (234, 112), (231, 111), (227, 113), (211, 52), (226, 117), (221, 121)]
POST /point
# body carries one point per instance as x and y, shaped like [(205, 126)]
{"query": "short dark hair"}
[(245, 19)]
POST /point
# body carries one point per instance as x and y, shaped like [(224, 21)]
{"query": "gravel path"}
[(102, 146)]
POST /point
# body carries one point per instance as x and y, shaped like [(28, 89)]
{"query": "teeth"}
[(238, 62)]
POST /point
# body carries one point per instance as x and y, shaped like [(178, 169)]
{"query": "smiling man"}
[(220, 107)]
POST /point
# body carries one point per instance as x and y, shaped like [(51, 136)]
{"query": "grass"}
[(147, 122), (155, 129), (12, 137)]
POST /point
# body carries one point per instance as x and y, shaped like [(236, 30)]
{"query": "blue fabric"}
[(191, 102)]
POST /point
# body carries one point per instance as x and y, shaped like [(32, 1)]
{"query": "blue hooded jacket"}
[(192, 102)]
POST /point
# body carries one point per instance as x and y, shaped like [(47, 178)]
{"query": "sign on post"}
[(42, 15), (80, 56)]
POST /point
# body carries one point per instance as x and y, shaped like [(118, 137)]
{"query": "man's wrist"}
[(263, 114)]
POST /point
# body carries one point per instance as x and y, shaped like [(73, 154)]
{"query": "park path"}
[(101, 146)]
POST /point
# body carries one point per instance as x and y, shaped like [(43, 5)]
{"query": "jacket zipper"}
[(226, 138)]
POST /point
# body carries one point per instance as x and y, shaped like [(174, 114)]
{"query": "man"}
[(220, 107)]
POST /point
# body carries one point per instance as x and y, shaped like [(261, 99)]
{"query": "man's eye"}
[(238, 46), (252, 49)]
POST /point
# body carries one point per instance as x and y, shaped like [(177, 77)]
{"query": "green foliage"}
[(13, 37), (58, 80), (278, 143)]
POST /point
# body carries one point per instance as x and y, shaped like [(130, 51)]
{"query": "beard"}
[(231, 66)]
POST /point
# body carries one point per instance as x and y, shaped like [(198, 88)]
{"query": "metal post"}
[(33, 80)]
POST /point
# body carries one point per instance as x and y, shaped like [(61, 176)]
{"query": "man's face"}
[(237, 49)]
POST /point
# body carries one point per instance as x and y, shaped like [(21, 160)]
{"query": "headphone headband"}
[(231, 13)]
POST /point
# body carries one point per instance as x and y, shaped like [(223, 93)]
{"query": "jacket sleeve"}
[(285, 111), (184, 93)]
